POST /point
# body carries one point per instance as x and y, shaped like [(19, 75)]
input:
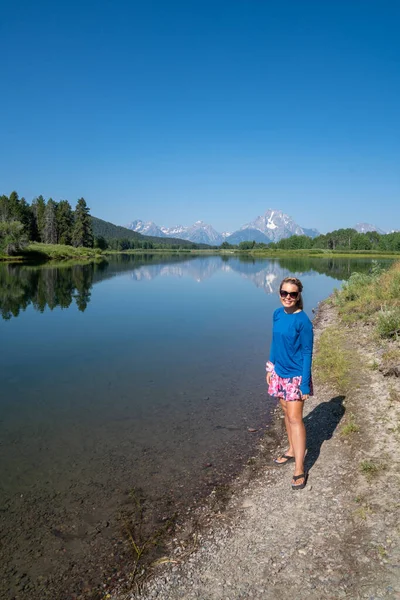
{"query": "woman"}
[(289, 371)]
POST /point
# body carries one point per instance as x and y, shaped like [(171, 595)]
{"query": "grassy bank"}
[(45, 252), (57, 252), (373, 298), (370, 300), (319, 253)]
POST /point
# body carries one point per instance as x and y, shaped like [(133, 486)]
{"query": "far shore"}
[(56, 252)]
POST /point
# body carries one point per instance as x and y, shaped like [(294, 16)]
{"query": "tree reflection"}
[(50, 286), (44, 287)]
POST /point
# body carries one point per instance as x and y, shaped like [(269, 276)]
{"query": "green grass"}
[(320, 253), (332, 361), (391, 355), (58, 252), (36, 251), (369, 469), (362, 512), (381, 551), (374, 298), (350, 427), (388, 324)]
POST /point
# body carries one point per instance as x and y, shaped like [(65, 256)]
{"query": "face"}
[(287, 300)]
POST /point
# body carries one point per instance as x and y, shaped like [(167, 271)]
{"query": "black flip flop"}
[(288, 460), (300, 486)]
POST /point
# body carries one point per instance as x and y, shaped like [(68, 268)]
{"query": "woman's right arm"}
[(271, 362)]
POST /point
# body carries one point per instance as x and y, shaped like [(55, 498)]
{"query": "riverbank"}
[(37, 252), (339, 537)]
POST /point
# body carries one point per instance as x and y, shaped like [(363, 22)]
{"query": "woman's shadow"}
[(320, 424)]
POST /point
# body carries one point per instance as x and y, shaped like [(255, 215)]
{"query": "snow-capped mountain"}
[(270, 227), (199, 233), (273, 226), (146, 228), (366, 227)]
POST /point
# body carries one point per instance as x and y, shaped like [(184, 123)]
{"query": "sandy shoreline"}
[(338, 538)]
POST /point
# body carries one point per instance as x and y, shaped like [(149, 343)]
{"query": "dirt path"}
[(338, 538)]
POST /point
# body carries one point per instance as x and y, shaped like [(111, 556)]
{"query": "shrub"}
[(332, 360), (389, 322), (12, 237)]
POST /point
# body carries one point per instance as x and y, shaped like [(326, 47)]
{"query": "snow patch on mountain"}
[(146, 228), (173, 231), (275, 225), (367, 227)]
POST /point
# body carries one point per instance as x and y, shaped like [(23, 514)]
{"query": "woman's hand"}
[(304, 396), (268, 377)]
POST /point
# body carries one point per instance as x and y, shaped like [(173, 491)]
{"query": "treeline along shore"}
[(46, 229), (50, 229)]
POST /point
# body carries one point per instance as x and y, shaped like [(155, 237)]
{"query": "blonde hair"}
[(299, 285)]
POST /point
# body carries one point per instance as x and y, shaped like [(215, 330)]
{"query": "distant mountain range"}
[(199, 233), (115, 232), (273, 226), (270, 227)]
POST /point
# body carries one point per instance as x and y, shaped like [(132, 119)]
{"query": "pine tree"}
[(13, 204), (38, 208), (26, 217), (82, 233), (50, 223), (4, 208), (65, 221)]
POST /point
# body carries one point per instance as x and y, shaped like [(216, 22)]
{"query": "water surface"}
[(124, 378)]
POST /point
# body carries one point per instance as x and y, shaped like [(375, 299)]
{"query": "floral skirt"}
[(286, 388)]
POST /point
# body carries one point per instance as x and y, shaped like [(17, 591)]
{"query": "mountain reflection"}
[(49, 286), (264, 273)]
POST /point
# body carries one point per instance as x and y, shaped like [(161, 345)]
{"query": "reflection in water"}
[(44, 287), (264, 273), (49, 286)]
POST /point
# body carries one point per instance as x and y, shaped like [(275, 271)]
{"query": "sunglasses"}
[(284, 294)]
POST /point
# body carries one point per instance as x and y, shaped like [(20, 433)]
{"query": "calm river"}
[(133, 379)]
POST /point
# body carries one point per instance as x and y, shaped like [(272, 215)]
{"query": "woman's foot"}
[(299, 481), (284, 459)]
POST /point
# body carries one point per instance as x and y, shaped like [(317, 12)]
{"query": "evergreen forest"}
[(43, 221), (50, 222)]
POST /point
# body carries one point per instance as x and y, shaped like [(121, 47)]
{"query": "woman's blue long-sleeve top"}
[(292, 346)]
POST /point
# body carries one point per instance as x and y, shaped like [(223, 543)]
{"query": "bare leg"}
[(290, 450), (298, 435)]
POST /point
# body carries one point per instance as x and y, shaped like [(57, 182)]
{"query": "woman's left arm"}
[(306, 341)]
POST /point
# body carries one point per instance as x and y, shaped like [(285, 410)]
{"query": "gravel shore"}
[(337, 538)]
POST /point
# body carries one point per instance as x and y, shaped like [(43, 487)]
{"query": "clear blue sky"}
[(175, 111)]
